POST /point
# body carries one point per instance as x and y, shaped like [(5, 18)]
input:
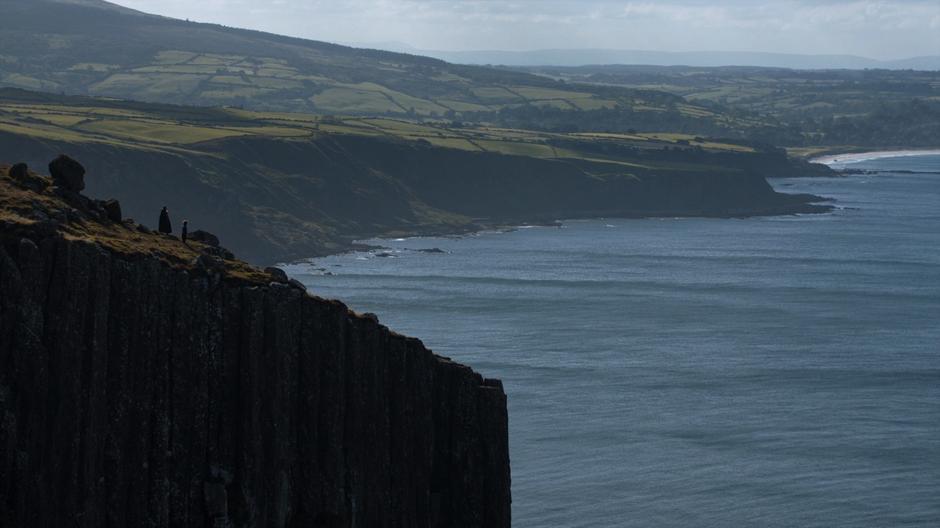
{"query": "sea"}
[(762, 372)]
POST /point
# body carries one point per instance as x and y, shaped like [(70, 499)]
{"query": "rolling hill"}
[(875, 108), (96, 48)]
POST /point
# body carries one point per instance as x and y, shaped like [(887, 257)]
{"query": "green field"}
[(93, 120), (799, 109), (228, 79), (123, 54)]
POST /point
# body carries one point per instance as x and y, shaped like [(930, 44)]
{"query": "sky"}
[(880, 29)]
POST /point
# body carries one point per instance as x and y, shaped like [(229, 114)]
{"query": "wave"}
[(846, 159)]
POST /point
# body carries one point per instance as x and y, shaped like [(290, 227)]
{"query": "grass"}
[(496, 94), (21, 209), (26, 82), (219, 79), (180, 69), (149, 85), (225, 94), (92, 67), (63, 120), (518, 148), (762, 97), (77, 110), (161, 127), (590, 103), (351, 100), (178, 62), (462, 106), (453, 143), (40, 131), (401, 128), (158, 131), (173, 57)]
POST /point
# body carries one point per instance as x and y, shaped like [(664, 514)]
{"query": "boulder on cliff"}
[(296, 284), (20, 174), (205, 237), (112, 209), (67, 173), (276, 273), (20, 171), (213, 246)]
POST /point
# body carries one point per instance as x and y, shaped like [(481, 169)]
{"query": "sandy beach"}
[(845, 159)]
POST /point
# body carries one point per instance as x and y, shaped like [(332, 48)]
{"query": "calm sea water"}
[(698, 372)]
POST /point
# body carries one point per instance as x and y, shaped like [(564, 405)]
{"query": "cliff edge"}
[(144, 382)]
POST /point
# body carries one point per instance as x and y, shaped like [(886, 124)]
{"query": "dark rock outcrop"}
[(19, 171), (218, 251), (112, 209), (213, 245), (21, 174), (277, 274), (205, 237), (67, 173), (138, 393)]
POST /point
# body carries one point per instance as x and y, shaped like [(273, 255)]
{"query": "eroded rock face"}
[(205, 237), (112, 209), (277, 274), (19, 172), (135, 394), (67, 173)]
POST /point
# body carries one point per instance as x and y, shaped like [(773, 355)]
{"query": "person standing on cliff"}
[(165, 226), (185, 231)]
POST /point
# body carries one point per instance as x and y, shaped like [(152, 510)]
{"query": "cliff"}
[(276, 199), (148, 383)]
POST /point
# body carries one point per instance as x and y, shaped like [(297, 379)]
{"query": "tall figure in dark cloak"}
[(165, 226)]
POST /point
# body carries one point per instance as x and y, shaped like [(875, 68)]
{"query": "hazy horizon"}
[(883, 30)]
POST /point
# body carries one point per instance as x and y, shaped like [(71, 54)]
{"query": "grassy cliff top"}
[(36, 207), (168, 127)]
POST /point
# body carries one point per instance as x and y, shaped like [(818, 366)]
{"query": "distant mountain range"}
[(593, 57)]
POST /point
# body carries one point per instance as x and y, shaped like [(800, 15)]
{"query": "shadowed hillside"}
[(277, 186)]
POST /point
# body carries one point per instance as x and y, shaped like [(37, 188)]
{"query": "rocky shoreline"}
[(812, 205)]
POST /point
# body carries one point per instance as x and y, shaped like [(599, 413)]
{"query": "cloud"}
[(880, 28)]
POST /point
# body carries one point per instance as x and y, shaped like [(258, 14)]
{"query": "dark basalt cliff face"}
[(138, 391)]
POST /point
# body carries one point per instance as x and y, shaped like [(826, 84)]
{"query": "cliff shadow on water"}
[(144, 382)]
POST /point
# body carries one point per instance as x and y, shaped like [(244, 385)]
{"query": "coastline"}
[(857, 157), (360, 244), (807, 206)]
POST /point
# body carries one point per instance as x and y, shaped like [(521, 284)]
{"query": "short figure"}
[(165, 226), (185, 232)]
